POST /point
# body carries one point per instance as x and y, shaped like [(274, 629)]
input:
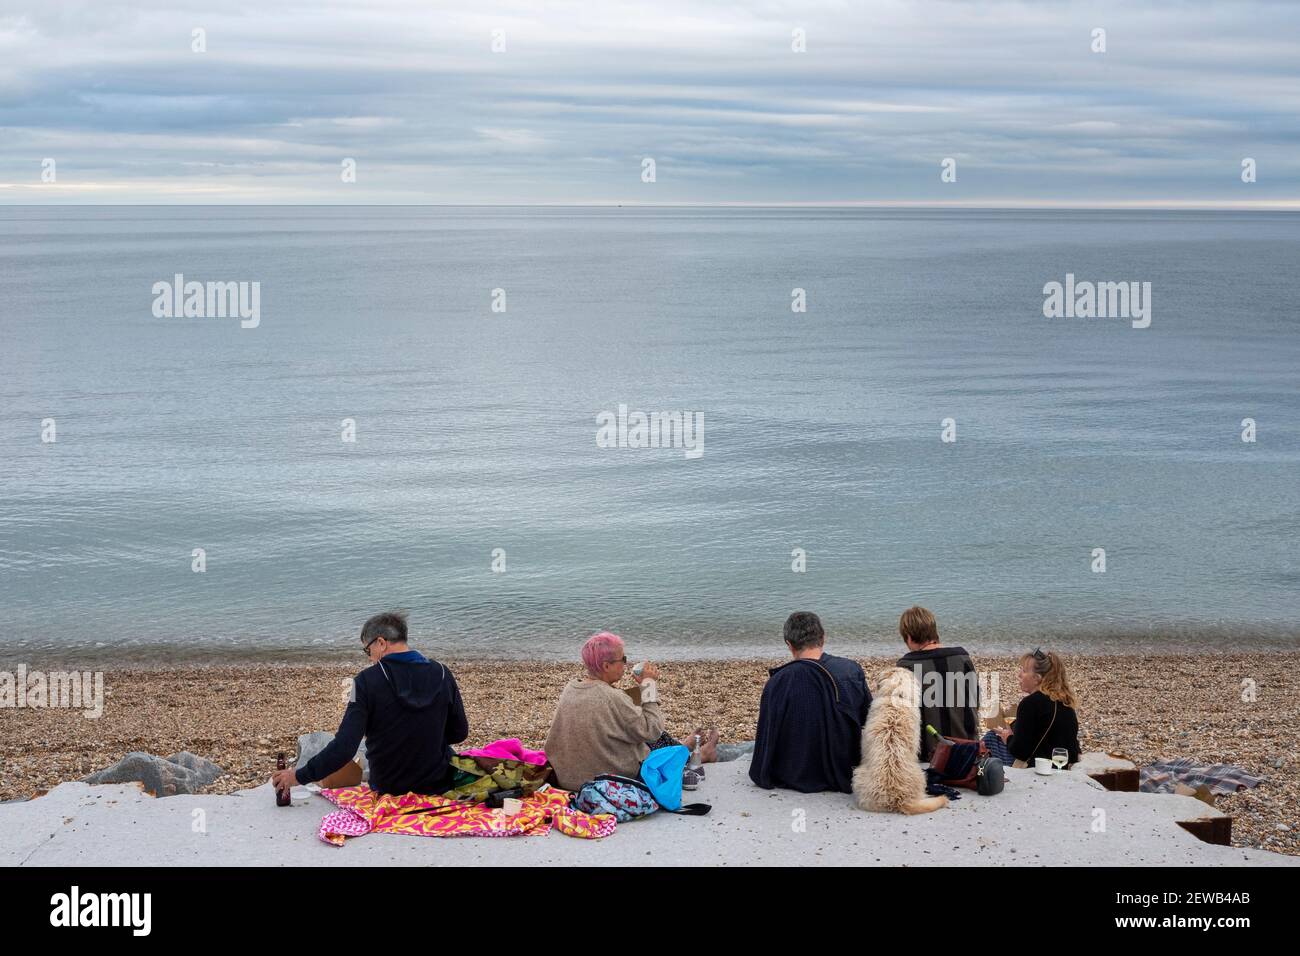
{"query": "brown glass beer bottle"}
[(282, 797)]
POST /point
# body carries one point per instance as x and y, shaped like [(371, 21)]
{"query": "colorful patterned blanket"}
[(361, 812)]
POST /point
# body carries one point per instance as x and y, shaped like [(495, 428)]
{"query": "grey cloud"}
[(712, 91)]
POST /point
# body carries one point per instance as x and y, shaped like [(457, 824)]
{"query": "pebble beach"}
[(1238, 709)]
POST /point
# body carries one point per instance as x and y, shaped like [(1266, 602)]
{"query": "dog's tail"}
[(924, 805)]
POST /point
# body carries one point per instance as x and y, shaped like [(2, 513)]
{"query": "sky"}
[(715, 93)]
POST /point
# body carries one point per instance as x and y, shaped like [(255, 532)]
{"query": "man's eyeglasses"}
[(365, 648)]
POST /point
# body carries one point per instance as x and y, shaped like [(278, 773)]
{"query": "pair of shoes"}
[(692, 777)]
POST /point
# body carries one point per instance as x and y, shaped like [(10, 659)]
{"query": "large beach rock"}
[(729, 752), (204, 768), (161, 777), (309, 745)]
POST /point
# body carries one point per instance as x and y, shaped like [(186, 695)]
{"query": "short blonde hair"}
[(918, 626)]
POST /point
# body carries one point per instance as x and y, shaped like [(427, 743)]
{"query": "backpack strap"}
[(835, 687), (628, 781), (687, 810), (840, 706)]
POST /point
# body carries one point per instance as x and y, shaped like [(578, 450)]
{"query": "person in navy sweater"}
[(409, 711), (810, 716)]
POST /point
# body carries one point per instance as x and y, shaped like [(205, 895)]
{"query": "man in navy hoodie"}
[(408, 709), (810, 716)]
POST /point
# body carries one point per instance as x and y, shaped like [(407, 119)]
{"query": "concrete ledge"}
[(1113, 773), (1050, 820)]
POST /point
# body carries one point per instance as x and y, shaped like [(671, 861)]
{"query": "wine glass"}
[(1060, 757)]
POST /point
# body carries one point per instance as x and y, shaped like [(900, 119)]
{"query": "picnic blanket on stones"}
[(1220, 778), (361, 811)]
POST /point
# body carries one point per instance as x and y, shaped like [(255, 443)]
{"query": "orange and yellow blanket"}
[(361, 811)]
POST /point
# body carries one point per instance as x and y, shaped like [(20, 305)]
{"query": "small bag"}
[(497, 798), (968, 763), (990, 778), (958, 761)]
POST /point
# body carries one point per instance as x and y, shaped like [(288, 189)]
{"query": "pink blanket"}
[(509, 749)]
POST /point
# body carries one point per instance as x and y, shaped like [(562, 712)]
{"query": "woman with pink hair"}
[(600, 729)]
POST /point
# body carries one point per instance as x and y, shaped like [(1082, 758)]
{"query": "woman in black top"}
[(1045, 717)]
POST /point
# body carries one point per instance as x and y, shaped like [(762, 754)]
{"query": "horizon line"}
[(1280, 205)]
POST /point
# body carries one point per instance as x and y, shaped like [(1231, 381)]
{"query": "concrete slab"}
[(1097, 762), (1036, 820)]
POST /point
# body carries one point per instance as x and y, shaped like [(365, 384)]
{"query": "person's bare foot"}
[(708, 751)]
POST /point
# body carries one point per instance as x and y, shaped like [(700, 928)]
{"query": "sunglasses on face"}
[(365, 649)]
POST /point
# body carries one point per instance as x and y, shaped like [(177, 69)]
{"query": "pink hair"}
[(599, 650)]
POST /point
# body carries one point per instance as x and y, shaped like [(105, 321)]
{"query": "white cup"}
[(1044, 766)]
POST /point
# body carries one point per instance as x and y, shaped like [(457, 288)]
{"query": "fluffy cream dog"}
[(889, 778)]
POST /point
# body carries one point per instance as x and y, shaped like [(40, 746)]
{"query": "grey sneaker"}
[(692, 777)]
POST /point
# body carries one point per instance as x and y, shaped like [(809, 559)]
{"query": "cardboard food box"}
[(1003, 718), (634, 692)]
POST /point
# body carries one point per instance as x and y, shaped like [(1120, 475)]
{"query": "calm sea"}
[(475, 430)]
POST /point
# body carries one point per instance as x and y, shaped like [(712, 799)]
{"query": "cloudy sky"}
[(114, 93)]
